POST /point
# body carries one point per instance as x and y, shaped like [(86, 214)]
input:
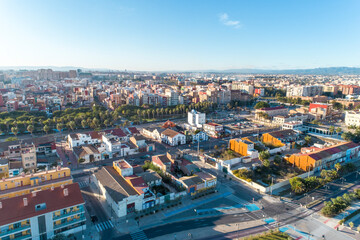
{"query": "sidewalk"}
[(205, 232)]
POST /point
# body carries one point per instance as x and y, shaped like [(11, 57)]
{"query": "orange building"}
[(241, 146), (325, 157)]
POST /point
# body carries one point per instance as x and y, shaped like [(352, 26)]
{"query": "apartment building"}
[(304, 91), (352, 118), (43, 214), (196, 119), (27, 183)]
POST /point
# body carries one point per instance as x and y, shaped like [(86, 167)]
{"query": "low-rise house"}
[(163, 162), (153, 133), (141, 143), (88, 152), (124, 191), (192, 183), (271, 111), (214, 129), (173, 138)]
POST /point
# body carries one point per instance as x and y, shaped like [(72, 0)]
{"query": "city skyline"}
[(181, 36)]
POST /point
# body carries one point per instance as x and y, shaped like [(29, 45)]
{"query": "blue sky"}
[(180, 35)]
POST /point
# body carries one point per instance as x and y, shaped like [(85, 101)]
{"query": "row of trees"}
[(302, 185), (298, 101), (96, 117), (85, 117), (349, 136), (135, 113), (339, 204)]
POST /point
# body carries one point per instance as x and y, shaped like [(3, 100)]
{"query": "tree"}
[(262, 105), (297, 185), (264, 155), (337, 105), (348, 136), (83, 123), (307, 140), (72, 125), (106, 123), (81, 160), (266, 163), (338, 130), (59, 127), (216, 147), (15, 130), (337, 167), (59, 237), (277, 159), (331, 129), (351, 225), (30, 128), (46, 129)]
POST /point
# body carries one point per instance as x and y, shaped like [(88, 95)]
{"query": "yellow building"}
[(279, 138), (27, 183), (4, 171)]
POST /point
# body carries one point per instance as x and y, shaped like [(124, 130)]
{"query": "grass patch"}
[(271, 235)]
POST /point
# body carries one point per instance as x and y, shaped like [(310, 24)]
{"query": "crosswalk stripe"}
[(105, 226), (97, 228), (112, 225)]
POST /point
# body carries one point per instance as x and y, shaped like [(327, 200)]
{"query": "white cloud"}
[(224, 19)]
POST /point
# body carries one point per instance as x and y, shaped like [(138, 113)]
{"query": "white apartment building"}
[(173, 97), (196, 118), (352, 118), (78, 139), (244, 87), (304, 91)]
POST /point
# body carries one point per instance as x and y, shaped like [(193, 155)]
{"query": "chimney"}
[(25, 202), (34, 194), (0, 205), (52, 188), (66, 192), (62, 185)]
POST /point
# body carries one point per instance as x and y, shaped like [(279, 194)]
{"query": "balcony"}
[(73, 221), (68, 214), (15, 230)]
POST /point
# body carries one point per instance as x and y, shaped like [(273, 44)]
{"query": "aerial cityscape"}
[(206, 120)]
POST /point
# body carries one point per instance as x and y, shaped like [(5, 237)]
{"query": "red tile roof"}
[(13, 209), (327, 152), (137, 182)]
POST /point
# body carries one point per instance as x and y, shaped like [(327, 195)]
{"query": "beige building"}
[(28, 156)]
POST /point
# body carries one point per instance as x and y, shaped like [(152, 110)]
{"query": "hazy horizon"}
[(180, 36)]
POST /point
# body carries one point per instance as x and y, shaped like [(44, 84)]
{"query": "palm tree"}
[(30, 128), (331, 130), (15, 130), (46, 129), (83, 123), (72, 125), (338, 130)]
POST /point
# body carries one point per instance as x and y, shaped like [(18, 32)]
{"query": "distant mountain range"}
[(312, 71)]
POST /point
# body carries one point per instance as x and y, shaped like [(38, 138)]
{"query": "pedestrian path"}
[(104, 226), (191, 206), (140, 235), (83, 184), (237, 199)]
